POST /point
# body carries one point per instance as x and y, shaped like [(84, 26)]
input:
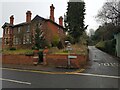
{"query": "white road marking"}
[(15, 81), (106, 64), (98, 75), (109, 64), (99, 64)]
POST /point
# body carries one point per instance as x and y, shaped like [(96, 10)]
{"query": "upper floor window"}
[(6, 30), (28, 39), (28, 28), (40, 25), (19, 29)]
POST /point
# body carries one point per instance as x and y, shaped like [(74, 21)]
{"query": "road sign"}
[(72, 57), (35, 57)]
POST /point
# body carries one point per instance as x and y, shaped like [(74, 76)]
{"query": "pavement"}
[(42, 68)]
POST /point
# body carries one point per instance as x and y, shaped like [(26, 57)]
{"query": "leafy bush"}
[(107, 46), (69, 38), (12, 48), (29, 53), (55, 41), (110, 46), (101, 45), (34, 48), (60, 45), (40, 54)]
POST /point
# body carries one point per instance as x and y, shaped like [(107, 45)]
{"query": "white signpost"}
[(72, 57), (69, 57)]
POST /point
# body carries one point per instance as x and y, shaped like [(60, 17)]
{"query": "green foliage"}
[(17, 51), (12, 48), (34, 48), (39, 38), (69, 38), (105, 32), (60, 45), (101, 45), (83, 39), (29, 53), (40, 54), (107, 46), (104, 37), (74, 19), (55, 41)]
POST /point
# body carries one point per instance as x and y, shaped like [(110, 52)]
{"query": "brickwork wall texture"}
[(57, 60), (62, 60), (17, 59)]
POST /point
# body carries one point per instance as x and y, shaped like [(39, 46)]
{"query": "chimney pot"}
[(11, 19), (52, 12), (28, 16), (61, 21)]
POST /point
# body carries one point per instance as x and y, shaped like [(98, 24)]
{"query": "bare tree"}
[(110, 12)]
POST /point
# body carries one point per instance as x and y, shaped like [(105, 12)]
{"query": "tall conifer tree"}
[(74, 19)]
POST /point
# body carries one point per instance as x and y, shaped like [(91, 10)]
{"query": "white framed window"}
[(24, 40), (28, 28), (28, 38), (4, 41), (14, 40), (17, 42), (20, 41), (19, 29), (6, 30)]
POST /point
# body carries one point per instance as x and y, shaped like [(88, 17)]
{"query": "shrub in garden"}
[(60, 45), (12, 48), (55, 41), (29, 53), (40, 54)]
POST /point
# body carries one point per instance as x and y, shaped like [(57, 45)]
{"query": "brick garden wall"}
[(17, 59), (57, 60), (62, 60)]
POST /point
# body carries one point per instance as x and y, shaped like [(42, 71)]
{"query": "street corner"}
[(73, 72), (43, 71)]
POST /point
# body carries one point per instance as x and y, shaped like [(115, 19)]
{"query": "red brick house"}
[(22, 35)]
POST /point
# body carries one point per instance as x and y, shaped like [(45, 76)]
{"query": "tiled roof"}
[(35, 18)]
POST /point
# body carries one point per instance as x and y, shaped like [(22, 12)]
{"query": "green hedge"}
[(107, 46), (101, 45)]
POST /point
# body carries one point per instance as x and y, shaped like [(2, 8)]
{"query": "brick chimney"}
[(11, 19), (61, 21), (28, 16), (52, 12)]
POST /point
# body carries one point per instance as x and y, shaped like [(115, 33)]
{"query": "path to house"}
[(102, 72)]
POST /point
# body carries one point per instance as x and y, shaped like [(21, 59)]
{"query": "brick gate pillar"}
[(45, 52)]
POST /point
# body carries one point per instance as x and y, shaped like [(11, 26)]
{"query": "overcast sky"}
[(41, 8)]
